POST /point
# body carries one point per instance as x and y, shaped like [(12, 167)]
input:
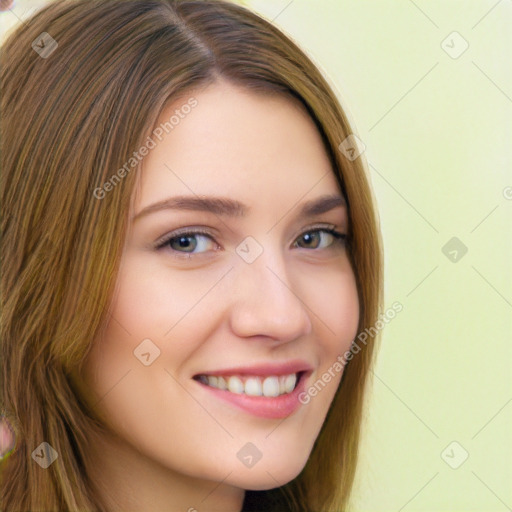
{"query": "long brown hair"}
[(70, 118)]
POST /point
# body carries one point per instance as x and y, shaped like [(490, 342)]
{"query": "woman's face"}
[(262, 296)]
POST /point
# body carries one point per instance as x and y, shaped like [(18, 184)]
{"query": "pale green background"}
[(438, 135)]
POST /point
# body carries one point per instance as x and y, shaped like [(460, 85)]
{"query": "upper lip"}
[(263, 369)]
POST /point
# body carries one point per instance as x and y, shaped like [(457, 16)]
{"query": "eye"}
[(187, 243), (313, 238)]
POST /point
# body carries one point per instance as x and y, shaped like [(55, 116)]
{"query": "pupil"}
[(184, 242), (308, 237)]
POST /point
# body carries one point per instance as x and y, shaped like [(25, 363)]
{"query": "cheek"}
[(155, 302), (147, 304), (146, 298), (334, 304)]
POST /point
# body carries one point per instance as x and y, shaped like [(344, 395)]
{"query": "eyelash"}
[(340, 239)]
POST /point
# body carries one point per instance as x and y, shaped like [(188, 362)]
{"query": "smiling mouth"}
[(253, 385)]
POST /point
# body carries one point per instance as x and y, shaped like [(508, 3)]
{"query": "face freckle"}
[(239, 305)]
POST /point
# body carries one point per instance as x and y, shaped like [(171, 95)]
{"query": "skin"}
[(172, 446)]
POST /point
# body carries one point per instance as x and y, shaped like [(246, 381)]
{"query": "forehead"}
[(260, 149)]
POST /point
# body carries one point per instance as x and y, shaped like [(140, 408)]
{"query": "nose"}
[(267, 302)]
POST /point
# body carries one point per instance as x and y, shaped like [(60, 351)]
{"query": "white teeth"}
[(235, 385), (271, 386), (282, 387), (253, 386), (289, 383), (221, 383)]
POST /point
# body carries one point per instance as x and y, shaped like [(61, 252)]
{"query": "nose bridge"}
[(266, 301)]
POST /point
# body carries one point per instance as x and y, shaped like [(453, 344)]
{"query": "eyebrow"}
[(229, 207)]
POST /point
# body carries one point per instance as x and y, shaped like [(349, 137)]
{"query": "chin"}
[(269, 476)]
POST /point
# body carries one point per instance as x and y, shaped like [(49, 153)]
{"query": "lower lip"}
[(266, 407)]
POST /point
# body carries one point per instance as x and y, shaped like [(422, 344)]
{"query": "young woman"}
[(189, 251)]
